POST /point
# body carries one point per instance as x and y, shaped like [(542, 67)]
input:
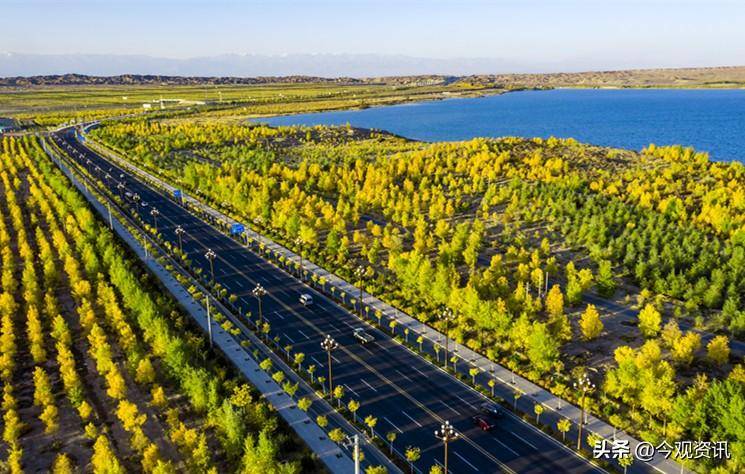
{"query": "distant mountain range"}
[(253, 65)]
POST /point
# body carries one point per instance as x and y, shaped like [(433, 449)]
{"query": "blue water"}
[(709, 120)]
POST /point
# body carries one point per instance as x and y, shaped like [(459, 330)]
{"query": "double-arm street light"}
[(155, 213), (329, 344), (210, 255), (446, 434), (446, 314), (584, 385), (179, 231), (259, 292), (359, 272)]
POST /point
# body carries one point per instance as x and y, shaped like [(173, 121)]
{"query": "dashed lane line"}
[(369, 386), (393, 425), (412, 419)]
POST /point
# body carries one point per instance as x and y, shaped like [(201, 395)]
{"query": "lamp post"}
[(446, 434), (584, 385), (446, 314), (179, 231), (259, 292), (210, 255), (359, 272), (155, 213), (120, 187), (329, 344)]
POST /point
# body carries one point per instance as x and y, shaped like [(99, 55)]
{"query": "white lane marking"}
[(465, 401), (279, 314), (420, 372), (412, 419), (350, 389), (335, 359), (369, 386), (287, 336), (305, 335), (366, 349), (316, 361), (450, 408), (391, 423), (506, 447), (466, 461), (524, 441), (403, 375)]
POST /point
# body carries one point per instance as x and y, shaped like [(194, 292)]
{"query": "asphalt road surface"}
[(406, 393)]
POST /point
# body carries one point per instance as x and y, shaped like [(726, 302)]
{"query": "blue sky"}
[(602, 33)]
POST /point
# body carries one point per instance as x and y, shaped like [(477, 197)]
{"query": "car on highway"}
[(128, 194), (306, 299), (363, 336), (491, 409), (482, 422), (144, 204)]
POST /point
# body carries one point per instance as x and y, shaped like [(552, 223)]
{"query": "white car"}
[(306, 299), (363, 336)]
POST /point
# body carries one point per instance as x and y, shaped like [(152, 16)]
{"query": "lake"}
[(708, 120)]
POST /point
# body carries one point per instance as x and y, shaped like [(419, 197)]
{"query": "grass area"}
[(46, 106)]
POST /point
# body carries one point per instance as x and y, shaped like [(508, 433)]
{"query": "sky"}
[(568, 34)]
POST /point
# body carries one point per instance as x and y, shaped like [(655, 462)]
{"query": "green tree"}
[(538, 409), (353, 406), (563, 426), (391, 437), (590, 323), (413, 454), (371, 421), (717, 350), (649, 321)]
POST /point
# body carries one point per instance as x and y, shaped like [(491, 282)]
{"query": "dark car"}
[(482, 422), (491, 409)]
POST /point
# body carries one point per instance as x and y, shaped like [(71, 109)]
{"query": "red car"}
[(482, 422)]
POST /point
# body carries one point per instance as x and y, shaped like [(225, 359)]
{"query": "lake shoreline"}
[(625, 118)]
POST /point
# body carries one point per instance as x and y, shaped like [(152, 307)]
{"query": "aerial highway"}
[(407, 394)]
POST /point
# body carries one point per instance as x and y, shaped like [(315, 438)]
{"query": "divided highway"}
[(404, 392)]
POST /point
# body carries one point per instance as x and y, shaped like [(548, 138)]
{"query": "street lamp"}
[(359, 272), (446, 314), (259, 292), (210, 255), (329, 344), (584, 385), (179, 231), (446, 434), (155, 213)]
